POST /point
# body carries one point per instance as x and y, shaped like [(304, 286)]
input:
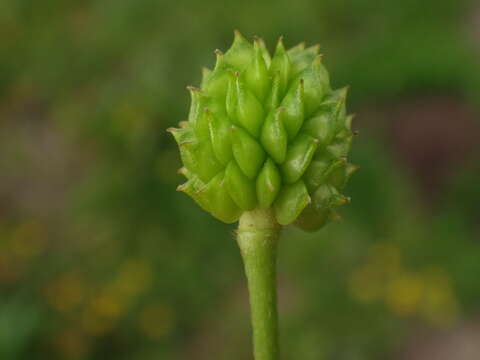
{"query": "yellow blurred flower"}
[(428, 293), (107, 305), (365, 284), (404, 293), (66, 292), (440, 306), (71, 343), (28, 240), (386, 258), (135, 276), (155, 321), (95, 324)]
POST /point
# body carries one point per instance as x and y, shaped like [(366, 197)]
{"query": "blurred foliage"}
[(101, 259)]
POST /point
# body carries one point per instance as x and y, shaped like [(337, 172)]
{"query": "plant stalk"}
[(257, 237)]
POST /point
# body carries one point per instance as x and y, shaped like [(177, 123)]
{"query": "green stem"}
[(257, 238)]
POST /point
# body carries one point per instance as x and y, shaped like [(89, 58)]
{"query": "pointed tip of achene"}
[(237, 35), (220, 58), (352, 168), (200, 191), (207, 112), (342, 98), (192, 89), (180, 187), (257, 45), (318, 60), (185, 143), (344, 91), (336, 217), (171, 130), (257, 40), (280, 48), (315, 48)]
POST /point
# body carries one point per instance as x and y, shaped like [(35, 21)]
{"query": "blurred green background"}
[(100, 258)]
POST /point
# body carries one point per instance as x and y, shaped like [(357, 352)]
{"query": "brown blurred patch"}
[(474, 27), (431, 136), (38, 163), (460, 343)]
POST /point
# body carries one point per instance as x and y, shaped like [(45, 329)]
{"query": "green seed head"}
[(269, 132)]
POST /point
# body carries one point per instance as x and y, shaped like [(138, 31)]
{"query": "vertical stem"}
[(257, 238)]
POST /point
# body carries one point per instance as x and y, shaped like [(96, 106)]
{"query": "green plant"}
[(266, 143)]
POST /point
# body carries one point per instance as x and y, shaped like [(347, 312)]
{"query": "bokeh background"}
[(100, 258)]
